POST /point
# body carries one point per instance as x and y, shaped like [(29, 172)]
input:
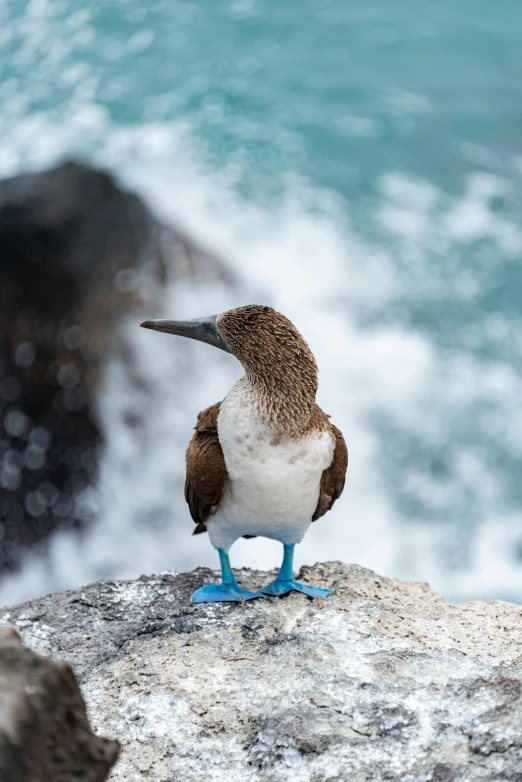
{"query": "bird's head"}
[(273, 353)]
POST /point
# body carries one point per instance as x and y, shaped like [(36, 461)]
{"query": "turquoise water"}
[(360, 165), (339, 92)]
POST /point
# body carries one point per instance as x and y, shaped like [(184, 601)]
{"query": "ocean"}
[(359, 167)]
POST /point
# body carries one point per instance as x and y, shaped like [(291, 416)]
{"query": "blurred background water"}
[(358, 165)]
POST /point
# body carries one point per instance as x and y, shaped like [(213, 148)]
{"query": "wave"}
[(422, 499)]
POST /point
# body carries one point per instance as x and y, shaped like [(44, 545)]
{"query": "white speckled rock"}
[(383, 681)]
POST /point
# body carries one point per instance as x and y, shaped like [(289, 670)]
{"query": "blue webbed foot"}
[(282, 586), (217, 593)]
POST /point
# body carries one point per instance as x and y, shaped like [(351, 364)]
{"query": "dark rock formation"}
[(44, 732), (382, 681), (76, 254)]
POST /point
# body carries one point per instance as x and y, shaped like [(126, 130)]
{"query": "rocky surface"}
[(384, 680), (44, 732), (77, 253)]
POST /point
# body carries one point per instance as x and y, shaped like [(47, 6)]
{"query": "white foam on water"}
[(305, 258)]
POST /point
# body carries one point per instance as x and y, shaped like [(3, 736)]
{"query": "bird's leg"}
[(228, 590), (285, 580)]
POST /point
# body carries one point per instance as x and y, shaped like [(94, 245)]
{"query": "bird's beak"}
[(202, 329)]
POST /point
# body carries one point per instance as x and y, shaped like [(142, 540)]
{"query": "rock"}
[(44, 732), (77, 253), (384, 680)]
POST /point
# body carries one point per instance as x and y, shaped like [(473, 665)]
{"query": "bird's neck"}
[(284, 401)]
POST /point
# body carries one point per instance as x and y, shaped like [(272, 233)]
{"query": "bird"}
[(266, 460)]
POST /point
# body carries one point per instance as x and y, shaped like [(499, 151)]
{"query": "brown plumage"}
[(282, 371), (332, 482), (206, 471), (278, 363)]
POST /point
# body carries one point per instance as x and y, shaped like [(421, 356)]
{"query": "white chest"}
[(273, 482)]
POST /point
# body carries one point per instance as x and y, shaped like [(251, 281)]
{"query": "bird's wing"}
[(332, 481), (206, 471)]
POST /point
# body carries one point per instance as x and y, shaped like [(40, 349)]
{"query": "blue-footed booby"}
[(266, 461)]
